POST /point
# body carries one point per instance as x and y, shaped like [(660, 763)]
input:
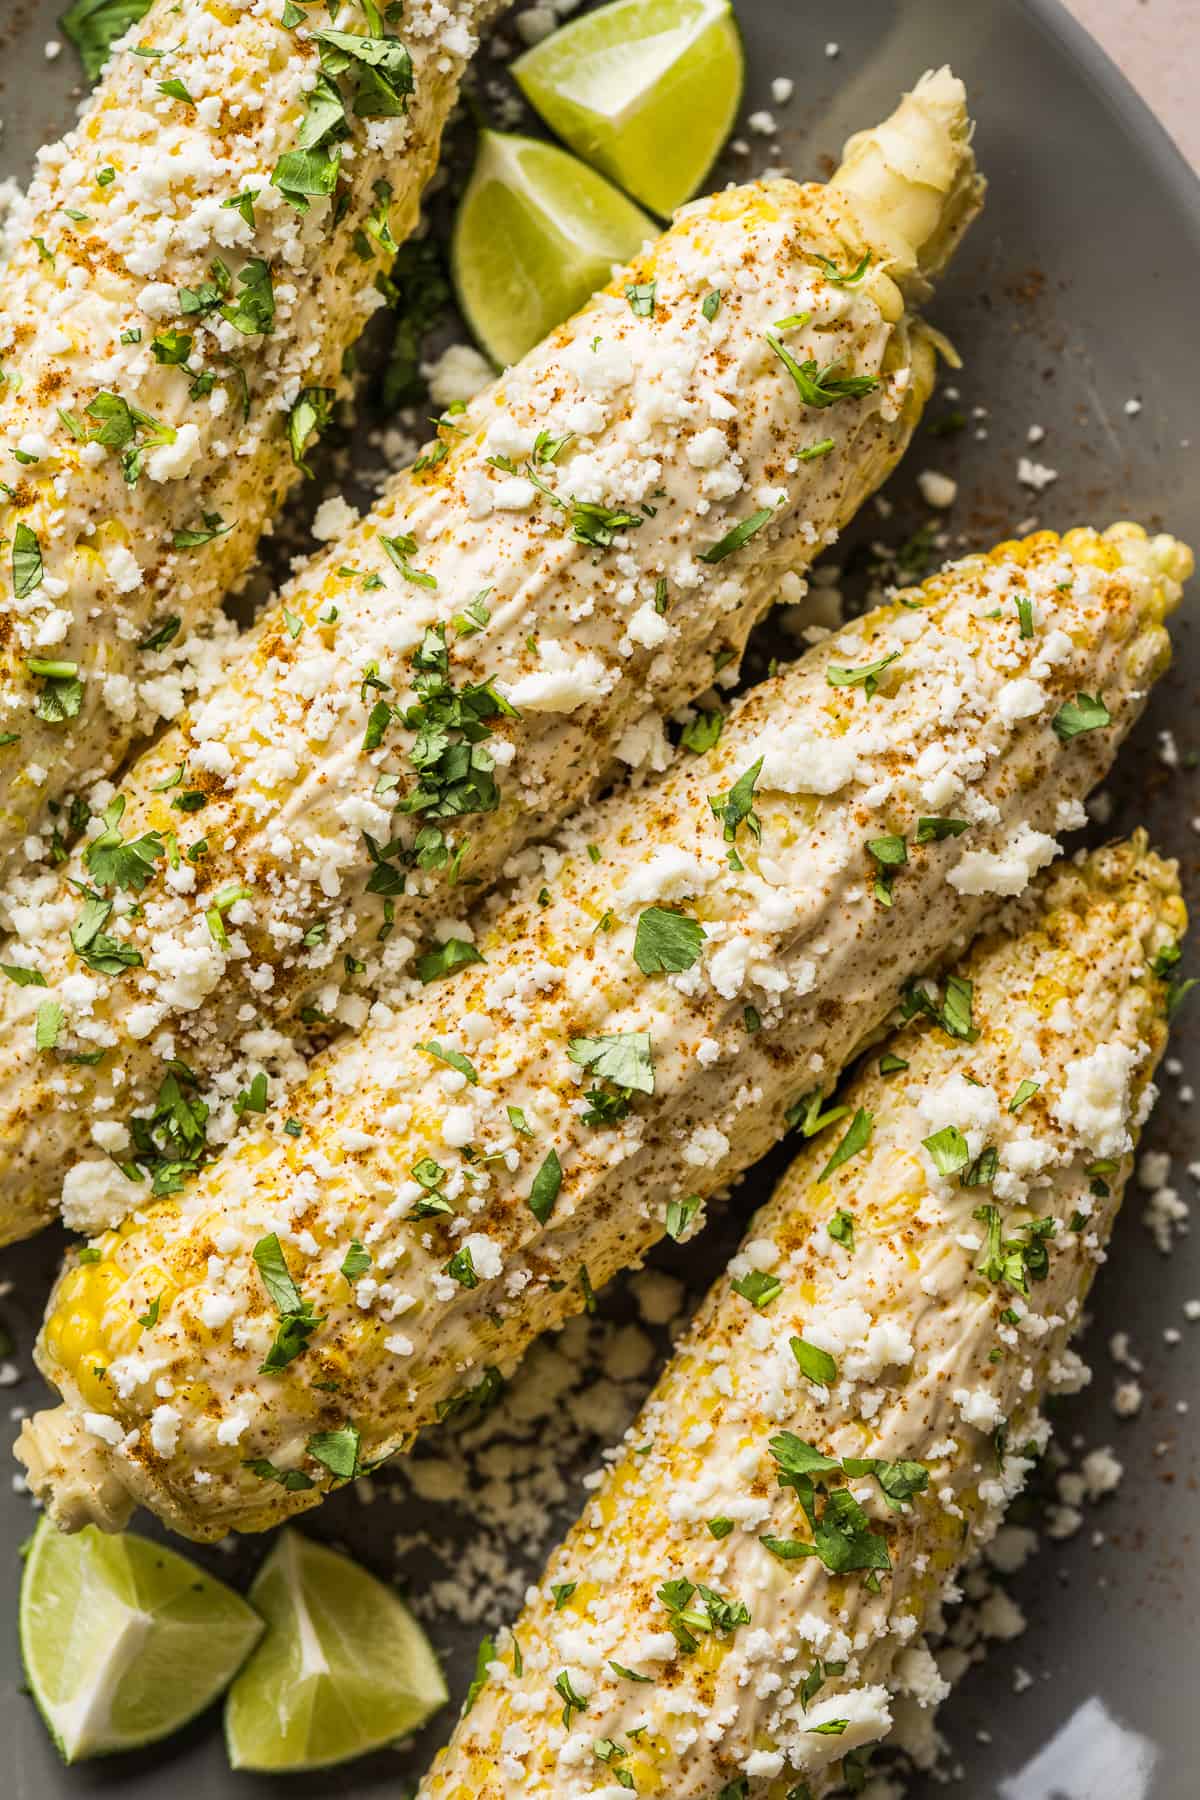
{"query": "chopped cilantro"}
[(736, 808), (623, 1058), (845, 277), (817, 1364), (297, 1321), (866, 676), (572, 1702), (666, 941), (337, 1450), (758, 1287), (47, 1025), (680, 1214), (1087, 712), (546, 1186), (949, 1150), (702, 732), (26, 561), (857, 1138), (953, 1013), (932, 831), (94, 26), (890, 853), (454, 1059), (737, 536), (820, 387), (308, 418), (294, 1480), (455, 953), (21, 976), (841, 1228)]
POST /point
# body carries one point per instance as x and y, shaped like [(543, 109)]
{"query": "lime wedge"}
[(343, 1669), (537, 233), (646, 90), (124, 1641)]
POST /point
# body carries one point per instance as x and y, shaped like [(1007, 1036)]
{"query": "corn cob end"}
[(70, 1471), (912, 180)]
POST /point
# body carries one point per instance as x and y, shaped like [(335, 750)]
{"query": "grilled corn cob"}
[(629, 1034), (198, 256), (900, 1316), (386, 736)]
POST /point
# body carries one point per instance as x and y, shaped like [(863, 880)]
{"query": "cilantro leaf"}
[(932, 831), (113, 862), (953, 1013), (758, 1287), (1086, 712), (26, 560), (899, 1481), (624, 1058), (844, 1539), (817, 1364), (845, 277), (666, 941), (485, 1654), (546, 1186), (736, 808), (276, 1276), (949, 1150), (701, 733), (356, 1261), (865, 676), (21, 976), (48, 1025), (297, 1321), (453, 1059), (294, 1480), (820, 387), (841, 1229), (307, 420), (253, 311), (455, 953), (337, 1450), (680, 1214), (857, 1138), (93, 26), (737, 536)]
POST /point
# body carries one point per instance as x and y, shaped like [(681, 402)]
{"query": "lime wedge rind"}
[(343, 1668), (646, 91), (537, 233), (123, 1641)]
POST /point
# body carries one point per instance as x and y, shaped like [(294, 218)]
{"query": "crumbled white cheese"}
[(1094, 1101), (1006, 871)]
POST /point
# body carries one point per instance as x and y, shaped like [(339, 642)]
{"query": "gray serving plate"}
[(1077, 291)]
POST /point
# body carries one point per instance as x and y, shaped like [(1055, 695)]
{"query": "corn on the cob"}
[(653, 424), (441, 1188), (198, 256), (902, 1317)]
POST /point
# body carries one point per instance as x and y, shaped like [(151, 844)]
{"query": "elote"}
[(740, 1611), (660, 1000), (199, 254), (574, 558)]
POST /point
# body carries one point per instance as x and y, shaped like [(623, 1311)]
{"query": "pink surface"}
[(1156, 43)]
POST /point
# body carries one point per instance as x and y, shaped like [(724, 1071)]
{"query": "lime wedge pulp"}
[(123, 1641), (344, 1667), (536, 234), (645, 90)]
